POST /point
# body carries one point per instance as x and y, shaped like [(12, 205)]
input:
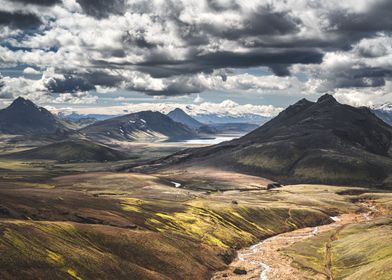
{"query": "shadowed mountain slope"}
[(23, 117), (312, 142), (72, 151), (180, 116)]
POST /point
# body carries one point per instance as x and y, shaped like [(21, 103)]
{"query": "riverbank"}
[(265, 260)]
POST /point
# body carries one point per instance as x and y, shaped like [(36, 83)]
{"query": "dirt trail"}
[(263, 261)]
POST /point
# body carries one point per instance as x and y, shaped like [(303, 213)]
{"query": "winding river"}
[(264, 261)]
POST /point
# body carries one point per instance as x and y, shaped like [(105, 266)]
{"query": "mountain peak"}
[(327, 98), (178, 115), (23, 117), (22, 102), (178, 110), (303, 102), (322, 142)]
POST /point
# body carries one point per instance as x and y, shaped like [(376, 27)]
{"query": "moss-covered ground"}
[(105, 225), (356, 251)]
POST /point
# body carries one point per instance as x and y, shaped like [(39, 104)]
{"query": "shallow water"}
[(212, 141)]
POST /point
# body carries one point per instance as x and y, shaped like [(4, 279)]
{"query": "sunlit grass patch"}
[(361, 251)]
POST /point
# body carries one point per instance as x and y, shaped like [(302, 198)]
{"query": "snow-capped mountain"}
[(384, 112)]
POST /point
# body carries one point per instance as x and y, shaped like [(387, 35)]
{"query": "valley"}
[(197, 225), (111, 208)]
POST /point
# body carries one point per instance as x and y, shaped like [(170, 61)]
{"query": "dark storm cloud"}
[(363, 77), (68, 84), (280, 70), (265, 21), (218, 7), (100, 78), (102, 8), (84, 82), (2, 84), (19, 20), (350, 27), (277, 60), (376, 18), (39, 2)]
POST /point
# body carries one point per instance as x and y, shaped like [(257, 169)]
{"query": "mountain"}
[(142, 126), (243, 118), (230, 128), (23, 117), (384, 112), (72, 151), (386, 116), (180, 116), (75, 117), (83, 120), (309, 142)]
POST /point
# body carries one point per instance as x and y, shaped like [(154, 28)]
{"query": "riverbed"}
[(265, 262)]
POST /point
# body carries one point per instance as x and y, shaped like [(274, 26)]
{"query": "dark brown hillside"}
[(312, 142)]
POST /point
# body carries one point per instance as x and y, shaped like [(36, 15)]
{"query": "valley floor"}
[(80, 222)]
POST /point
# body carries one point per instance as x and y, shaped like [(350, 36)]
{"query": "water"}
[(212, 141), (177, 185)]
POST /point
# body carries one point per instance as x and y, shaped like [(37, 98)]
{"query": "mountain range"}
[(312, 142), (318, 142), (142, 126)]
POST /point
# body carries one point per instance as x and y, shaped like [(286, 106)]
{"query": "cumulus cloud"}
[(225, 108), (31, 71), (181, 47), (102, 8), (198, 99), (49, 89)]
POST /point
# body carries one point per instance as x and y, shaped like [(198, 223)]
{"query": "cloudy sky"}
[(247, 55)]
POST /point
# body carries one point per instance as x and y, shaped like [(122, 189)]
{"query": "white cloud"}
[(198, 99), (174, 47), (31, 71), (225, 108)]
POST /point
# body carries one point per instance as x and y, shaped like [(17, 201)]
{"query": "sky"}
[(243, 56)]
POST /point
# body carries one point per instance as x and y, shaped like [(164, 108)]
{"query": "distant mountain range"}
[(23, 117), (312, 142), (142, 126), (219, 119), (384, 112), (180, 116), (83, 120)]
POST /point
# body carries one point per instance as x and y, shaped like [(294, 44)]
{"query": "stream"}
[(265, 268), (263, 260)]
